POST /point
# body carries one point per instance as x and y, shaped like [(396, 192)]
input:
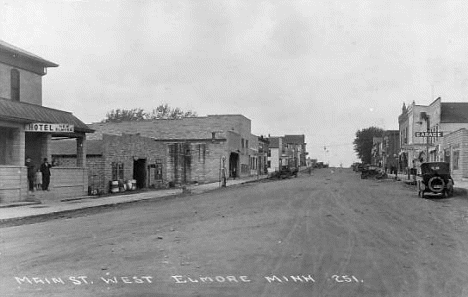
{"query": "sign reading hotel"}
[(44, 127), (428, 134)]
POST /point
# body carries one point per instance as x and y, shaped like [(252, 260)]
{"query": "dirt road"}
[(329, 234)]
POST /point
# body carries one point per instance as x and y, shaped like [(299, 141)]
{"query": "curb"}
[(23, 220), (12, 221)]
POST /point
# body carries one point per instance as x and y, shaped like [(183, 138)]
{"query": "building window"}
[(456, 158), (15, 85), (158, 170), (246, 144), (269, 164), (117, 171), (269, 153), (201, 152)]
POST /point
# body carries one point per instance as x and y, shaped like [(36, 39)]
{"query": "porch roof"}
[(31, 113)]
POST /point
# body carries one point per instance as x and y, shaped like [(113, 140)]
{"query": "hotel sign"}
[(44, 127), (428, 134)]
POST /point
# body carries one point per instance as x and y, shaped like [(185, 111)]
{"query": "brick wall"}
[(186, 128), (125, 149), (234, 128), (195, 161), (94, 163)]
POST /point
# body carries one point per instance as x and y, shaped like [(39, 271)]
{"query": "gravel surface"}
[(328, 234)]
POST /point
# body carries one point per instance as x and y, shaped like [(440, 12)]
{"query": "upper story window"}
[(15, 85)]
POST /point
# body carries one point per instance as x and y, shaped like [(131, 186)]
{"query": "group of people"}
[(39, 178)]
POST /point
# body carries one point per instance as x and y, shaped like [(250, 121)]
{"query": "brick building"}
[(443, 117), (117, 158), (198, 149), (27, 127)]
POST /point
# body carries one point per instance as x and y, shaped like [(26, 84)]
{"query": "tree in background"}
[(163, 111), (364, 141)]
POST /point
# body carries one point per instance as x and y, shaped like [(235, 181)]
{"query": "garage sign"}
[(44, 127), (428, 134)]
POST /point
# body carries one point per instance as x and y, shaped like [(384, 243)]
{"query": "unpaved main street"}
[(329, 234)]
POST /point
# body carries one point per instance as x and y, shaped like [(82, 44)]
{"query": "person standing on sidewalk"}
[(45, 170), (31, 174)]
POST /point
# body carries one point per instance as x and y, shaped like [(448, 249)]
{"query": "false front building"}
[(27, 127)]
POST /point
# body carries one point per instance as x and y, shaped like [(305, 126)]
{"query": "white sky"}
[(320, 68)]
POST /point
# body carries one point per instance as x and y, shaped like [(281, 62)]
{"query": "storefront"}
[(26, 130)]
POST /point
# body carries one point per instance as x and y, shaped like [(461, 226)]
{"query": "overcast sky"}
[(320, 68)]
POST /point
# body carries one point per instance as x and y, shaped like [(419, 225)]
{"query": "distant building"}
[(376, 153), (390, 149), (296, 146), (274, 153), (263, 149)]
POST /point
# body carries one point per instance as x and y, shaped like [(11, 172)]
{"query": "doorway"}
[(139, 173), (233, 164)]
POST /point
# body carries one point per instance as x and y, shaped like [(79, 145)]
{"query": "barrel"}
[(114, 186), (134, 184), (129, 185)]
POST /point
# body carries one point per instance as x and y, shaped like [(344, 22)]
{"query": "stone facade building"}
[(118, 158), (197, 149)]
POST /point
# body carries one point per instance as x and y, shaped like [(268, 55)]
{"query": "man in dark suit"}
[(45, 169)]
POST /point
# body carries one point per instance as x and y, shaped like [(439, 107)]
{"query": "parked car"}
[(288, 171), (435, 179)]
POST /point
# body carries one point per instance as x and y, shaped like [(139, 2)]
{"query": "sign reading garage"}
[(428, 134), (45, 127)]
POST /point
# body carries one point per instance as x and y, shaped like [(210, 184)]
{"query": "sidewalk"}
[(460, 186), (23, 210)]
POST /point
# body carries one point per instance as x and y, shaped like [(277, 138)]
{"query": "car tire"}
[(431, 187)]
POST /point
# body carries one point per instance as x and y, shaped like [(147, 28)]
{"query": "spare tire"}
[(435, 181)]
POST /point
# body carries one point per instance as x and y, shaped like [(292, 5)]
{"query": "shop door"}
[(139, 173)]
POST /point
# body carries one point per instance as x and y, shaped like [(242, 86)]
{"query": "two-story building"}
[(27, 128), (296, 147), (440, 119), (275, 151), (263, 151)]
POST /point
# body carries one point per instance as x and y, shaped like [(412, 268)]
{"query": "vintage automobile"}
[(435, 179), (288, 171), (372, 171)]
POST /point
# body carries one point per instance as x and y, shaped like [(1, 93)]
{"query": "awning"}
[(30, 113)]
